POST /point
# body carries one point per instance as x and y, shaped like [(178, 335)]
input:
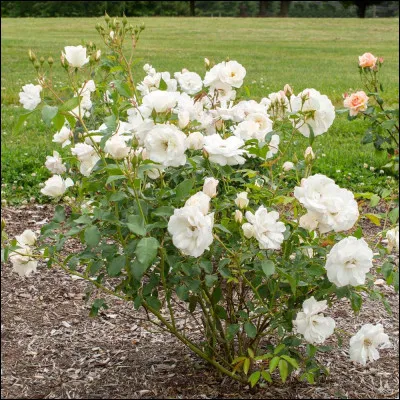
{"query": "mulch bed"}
[(50, 348)]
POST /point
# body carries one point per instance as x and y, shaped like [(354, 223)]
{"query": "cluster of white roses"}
[(22, 259), (315, 328)]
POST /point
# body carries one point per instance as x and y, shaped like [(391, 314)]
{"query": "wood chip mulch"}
[(50, 348)]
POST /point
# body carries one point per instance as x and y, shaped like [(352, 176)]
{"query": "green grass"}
[(318, 53)]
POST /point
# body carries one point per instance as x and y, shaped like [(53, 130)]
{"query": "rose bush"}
[(175, 191)]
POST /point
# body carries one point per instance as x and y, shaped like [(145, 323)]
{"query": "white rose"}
[(191, 230), (86, 166), (316, 110), (117, 148), (287, 166), (210, 187), (23, 263), (166, 144), (63, 136), (248, 230), (201, 201), (195, 141), (160, 101), (309, 221), (232, 73), (76, 56), (241, 200), (30, 96), (273, 146), (56, 186), (312, 324), (83, 151), (190, 82), (365, 343), (392, 237), (267, 229), (348, 262), (27, 237), (224, 151), (54, 164)]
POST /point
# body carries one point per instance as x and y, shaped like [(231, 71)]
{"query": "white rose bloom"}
[(83, 151), (247, 130), (241, 200), (267, 229), (76, 56), (223, 91), (86, 166), (225, 151), (160, 101), (27, 238), (201, 201), (262, 120), (191, 230), (287, 166), (63, 136), (30, 96), (166, 144), (56, 186), (232, 73), (195, 141), (365, 343), (190, 82), (248, 230), (210, 187), (23, 263), (54, 164), (273, 146), (117, 148), (317, 111), (348, 262), (333, 207), (309, 154), (312, 324), (392, 237), (309, 221)]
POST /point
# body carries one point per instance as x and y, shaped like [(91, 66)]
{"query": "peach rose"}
[(356, 102), (367, 60)]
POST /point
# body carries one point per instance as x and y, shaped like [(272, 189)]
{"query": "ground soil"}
[(50, 348)]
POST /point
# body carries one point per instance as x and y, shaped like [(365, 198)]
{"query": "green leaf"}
[(374, 218), (70, 104), (254, 377), (92, 236), (312, 136), (123, 89), (246, 366), (138, 269), (279, 348), (266, 375), (146, 250), (164, 211), (387, 269), (283, 370), (59, 214), (374, 200), (163, 85), (291, 361), (222, 228), (231, 331), (115, 178), (268, 267), (58, 121), (182, 292), (153, 302), (358, 233), (311, 350), (355, 301), (394, 215), (21, 119), (250, 329), (210, 280), (136, 225), (183, 189), (116, 265), (97, 304), (48, 113), (273, 364), (118, 196)]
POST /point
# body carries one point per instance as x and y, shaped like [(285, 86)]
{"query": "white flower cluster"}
[(22, 259), (329, 206)]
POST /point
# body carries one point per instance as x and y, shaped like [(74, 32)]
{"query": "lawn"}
[(318, 53)]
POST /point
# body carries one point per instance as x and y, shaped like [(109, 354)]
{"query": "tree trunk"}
[(262, 8), (243, 10), (361, 9), (192, 8), (284, 8)]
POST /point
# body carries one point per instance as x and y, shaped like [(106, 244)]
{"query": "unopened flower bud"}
[(207, 62), (50, 61), (98, 27), (97, 55), (36, 65), (248, 230), (309, 154), (3, 224), (106, 18), (238, 216), (241, 200), (31, 55), (288, 90), (205, 154), (210, 187), (41, 60), (124, 20), (287, 166), (62, 58)]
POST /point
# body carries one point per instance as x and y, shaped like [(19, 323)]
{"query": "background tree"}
[(361, 5), (284, 11)]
